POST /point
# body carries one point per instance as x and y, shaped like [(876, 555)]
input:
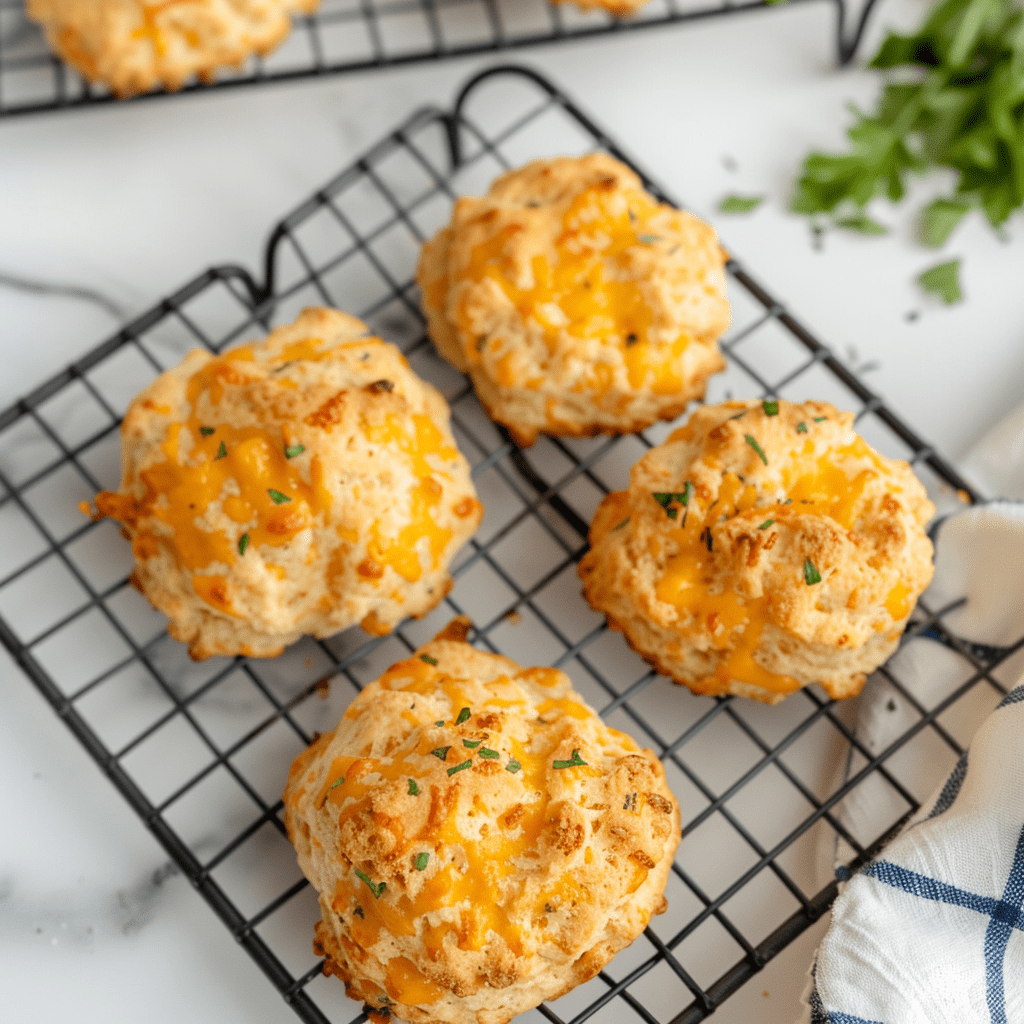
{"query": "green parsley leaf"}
[(622, 524), (414, 789), (811, 574), (463, 715), (771, 407), (222, 452), (818, 419), (766, 524), (513, 766), (439, 722), (740, 204), (943, 281), (801, 427), (376, 889), (421, 860), (571, 763), (862, 224), (336, 783), (294, 449), (757, 448), (243, 543), (277, 497), (472, 744), (428, 659), (207, 431), (441, 752), (488, 753), (939, 218), (460, 767), (648, 239), (665, 500)]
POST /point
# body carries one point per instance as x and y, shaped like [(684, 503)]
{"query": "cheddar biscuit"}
[(618, 8), (762, 547), (576, 302), (293, 486), (481, 841), (133, 46)]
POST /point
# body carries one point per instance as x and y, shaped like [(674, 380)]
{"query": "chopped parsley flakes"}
[(376, 888), (571, 763), (757, 448)]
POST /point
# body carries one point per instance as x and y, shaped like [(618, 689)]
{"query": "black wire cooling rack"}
[(201, 751), (355, 35)]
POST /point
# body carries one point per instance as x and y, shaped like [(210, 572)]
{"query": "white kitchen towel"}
[(932, 931)]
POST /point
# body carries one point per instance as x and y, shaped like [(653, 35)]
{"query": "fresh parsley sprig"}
[(958, 106)]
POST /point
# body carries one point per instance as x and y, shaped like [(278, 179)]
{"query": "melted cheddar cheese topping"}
[(468, 874), (585, 288), (220, 490), (734, 622)]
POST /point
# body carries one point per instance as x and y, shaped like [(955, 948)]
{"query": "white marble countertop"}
[(134, 200)]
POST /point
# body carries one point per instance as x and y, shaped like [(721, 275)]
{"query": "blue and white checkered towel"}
[(932, 931)]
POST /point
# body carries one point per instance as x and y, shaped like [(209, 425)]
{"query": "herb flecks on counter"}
[(943, 281), (739, 204)]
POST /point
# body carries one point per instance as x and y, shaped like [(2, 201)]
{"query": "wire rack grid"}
[(355, 35), (201, 751)]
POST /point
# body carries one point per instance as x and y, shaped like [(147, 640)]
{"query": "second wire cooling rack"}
[(356, 35), (201, 751)]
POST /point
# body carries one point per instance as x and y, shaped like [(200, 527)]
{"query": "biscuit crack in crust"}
[(576, 302), (467, 894), (762, 547), (133, 46), (281, 490)]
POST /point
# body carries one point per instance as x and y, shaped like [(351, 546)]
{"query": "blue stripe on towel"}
[(1013, 697), (930, 889), (1006, 917)]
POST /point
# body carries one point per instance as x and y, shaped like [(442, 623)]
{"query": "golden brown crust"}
[(511, 870), (618, 8), (762, 547), (295, 486), (576, 302), (133, 46)]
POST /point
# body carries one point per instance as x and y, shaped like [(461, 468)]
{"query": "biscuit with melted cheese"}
[(481, 841), (617, 8), (762, 547), (576, 302), (297, 485), (133, 46)]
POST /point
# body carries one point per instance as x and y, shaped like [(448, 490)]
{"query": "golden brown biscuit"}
[(576, 302), (480, 839), (762, 547), (618, 8), (133, 46), (294, 486)]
